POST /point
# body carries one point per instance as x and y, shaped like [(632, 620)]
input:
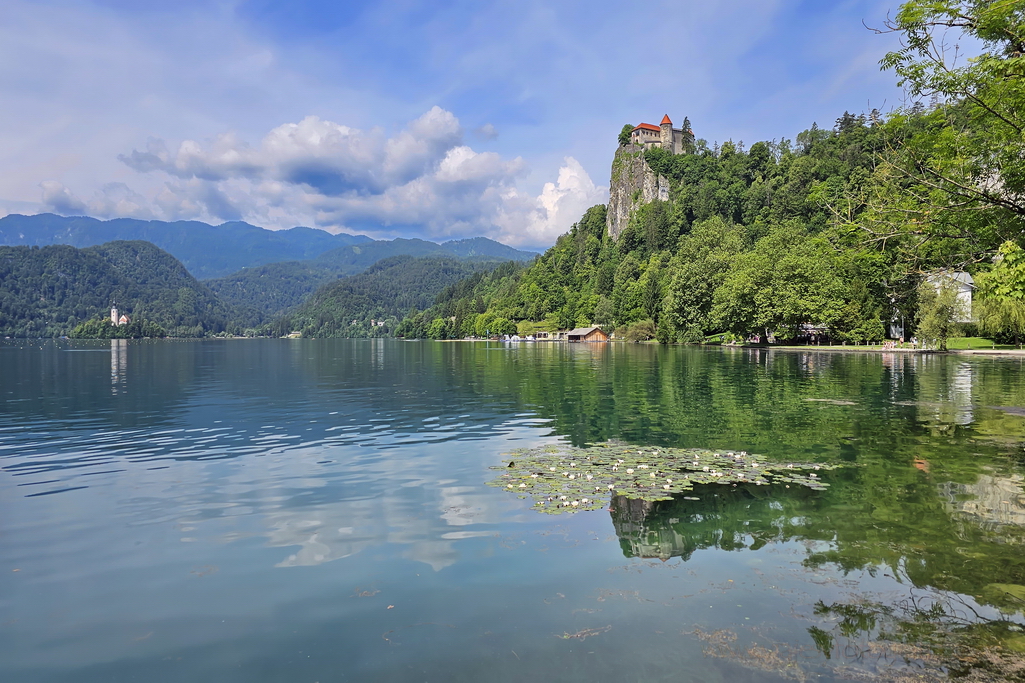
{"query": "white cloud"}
[(113, 200), (422, 180), (60, 199)]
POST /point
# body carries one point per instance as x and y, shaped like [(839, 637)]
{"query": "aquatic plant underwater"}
[(563, 478)]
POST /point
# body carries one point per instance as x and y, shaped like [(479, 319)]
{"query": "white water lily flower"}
[(523, 486), (562, 497), (652, 475), (551, 469), (705, 468), (612, 486), (665, 486), (814, 476), (583, 500), (572, 464), (509, 486), (576, 503), (533, 476), (669, 480), (629, 470), (590, 477), (572, 476)]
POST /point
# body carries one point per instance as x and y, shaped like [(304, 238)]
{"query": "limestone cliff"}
[(633, 185)]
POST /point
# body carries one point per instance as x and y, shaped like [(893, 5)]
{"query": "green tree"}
[(438, 329), (952, 187), (695, 272), (939, 309), (503, 326), (624, 134), (788, 279), (999, 300)]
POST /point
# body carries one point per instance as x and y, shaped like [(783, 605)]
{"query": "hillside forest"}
[(838, 233)]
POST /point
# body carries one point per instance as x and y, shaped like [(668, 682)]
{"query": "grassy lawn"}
[(962, 343), (953, 344)]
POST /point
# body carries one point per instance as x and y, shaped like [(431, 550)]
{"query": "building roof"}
[(648, 126), (582, 331), (958, 276), (666, 119)]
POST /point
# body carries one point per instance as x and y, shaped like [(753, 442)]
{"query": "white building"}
[(962, 282)]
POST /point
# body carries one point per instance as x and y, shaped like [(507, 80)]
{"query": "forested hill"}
[(206, 250), (742, 245), (265, 292), (382, 293), (840, 233), (46, 291)]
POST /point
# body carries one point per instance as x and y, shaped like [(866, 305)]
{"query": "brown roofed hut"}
[(587, 334)]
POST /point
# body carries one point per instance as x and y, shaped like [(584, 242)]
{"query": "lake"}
[(319, 510)]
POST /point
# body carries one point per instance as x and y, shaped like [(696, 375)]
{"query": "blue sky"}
[(443, 119)]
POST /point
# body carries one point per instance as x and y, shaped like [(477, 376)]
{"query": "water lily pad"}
[(562, 478)]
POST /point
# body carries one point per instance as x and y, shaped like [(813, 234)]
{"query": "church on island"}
[(671, 139), (115, 319)]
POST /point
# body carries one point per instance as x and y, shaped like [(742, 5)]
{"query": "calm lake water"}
[(318, 510)]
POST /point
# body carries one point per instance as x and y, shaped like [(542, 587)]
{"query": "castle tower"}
[(666, 129), (113, 314)]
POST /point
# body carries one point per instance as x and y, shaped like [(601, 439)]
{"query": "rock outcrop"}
[(633, 185)]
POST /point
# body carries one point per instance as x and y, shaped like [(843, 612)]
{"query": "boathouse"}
[(587, 334)]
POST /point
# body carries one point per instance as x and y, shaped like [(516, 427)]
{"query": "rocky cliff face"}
[(633, 185)]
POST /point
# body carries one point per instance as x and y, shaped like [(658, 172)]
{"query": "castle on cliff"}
[(633, 183), (671, 139)]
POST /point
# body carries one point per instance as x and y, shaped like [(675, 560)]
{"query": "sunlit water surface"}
[(315, 511)]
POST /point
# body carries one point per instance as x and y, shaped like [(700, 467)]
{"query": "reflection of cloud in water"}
[(334, 530)]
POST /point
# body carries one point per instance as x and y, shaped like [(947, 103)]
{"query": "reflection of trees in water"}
[(742, 518), (871, 519), (964, 575)]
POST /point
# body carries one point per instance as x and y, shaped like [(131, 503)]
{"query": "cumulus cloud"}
[(486, 132), (60, 199), (112, 200), (422, 180)]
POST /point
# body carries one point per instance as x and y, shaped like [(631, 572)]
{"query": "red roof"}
[(648, 126), (665, 119)]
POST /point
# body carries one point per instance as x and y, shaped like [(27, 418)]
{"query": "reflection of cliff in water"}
[(711, 517)]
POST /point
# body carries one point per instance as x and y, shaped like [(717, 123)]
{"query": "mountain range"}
[(217, 251)]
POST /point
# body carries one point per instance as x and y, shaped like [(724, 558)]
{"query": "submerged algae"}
[(563, 478)]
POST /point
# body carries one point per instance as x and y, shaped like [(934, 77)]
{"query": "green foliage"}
[(952, 185), (624, 134), (938, 311), (642, 330), (1000, 294), (737, 222), (353, 306), (101, 328), (48, 291), (788, 279), (825, 234)]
